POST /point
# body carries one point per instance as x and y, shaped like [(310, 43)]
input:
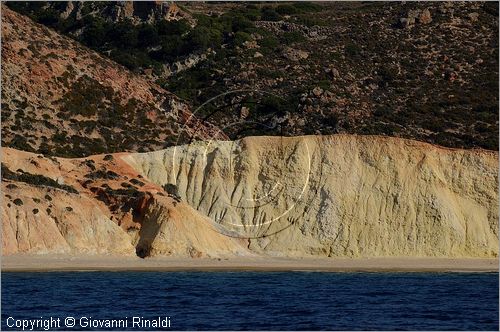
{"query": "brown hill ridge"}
[(60, 98), (335, 196)]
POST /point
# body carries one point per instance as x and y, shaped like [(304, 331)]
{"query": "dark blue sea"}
[(251, 300)]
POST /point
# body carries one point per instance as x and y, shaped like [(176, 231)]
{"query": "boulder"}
[(317, 91), (473, 16), (294, 54), (425, 17)]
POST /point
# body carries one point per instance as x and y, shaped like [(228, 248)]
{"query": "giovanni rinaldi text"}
[(87, 322)]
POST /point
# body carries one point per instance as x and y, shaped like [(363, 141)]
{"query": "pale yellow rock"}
[(41, 219), (181, 231), (338, 195), (54, 229)]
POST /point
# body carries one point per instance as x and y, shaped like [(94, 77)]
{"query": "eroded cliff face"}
[(99, 205), (53, 221), (338, 195), (182, 231)]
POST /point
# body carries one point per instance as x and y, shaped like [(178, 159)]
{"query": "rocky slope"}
[(316, 195), (421, 70), (61, 98), (418, 69), (82, 12), (135, 11), (98, 205)]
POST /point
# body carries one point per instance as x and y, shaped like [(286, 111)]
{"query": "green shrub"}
[(352, 49), (102, 174), (388, 73), (237, 22), (269, 14), (123, 34), (95, 34), (251, 12), (35, 179), (324, 84), (137, 182), (203, 37), (21, 143), (86, 97), (269, 41), (292, 37), (172, 191), (147, 35), (286, 9), (241, 37), (169, 28), (306, 6), (270, 104)]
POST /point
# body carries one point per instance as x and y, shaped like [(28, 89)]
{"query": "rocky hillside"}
[(61, 98), (137, 12), (353, 196), (421, 70)]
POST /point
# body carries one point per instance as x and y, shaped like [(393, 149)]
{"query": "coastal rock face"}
[(338, 195), (67, 223), (183, 232), (43, 217), (103, 207)]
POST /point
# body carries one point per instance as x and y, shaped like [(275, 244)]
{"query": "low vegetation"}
[(35, 179), (339, 67)]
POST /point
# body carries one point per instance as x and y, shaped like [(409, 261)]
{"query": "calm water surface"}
[(259, 300)]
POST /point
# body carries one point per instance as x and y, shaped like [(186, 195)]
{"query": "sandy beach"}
[(44, 263)]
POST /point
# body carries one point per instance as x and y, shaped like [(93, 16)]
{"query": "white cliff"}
[(338, 195)]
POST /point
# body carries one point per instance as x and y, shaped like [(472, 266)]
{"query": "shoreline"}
[(67, 263)]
